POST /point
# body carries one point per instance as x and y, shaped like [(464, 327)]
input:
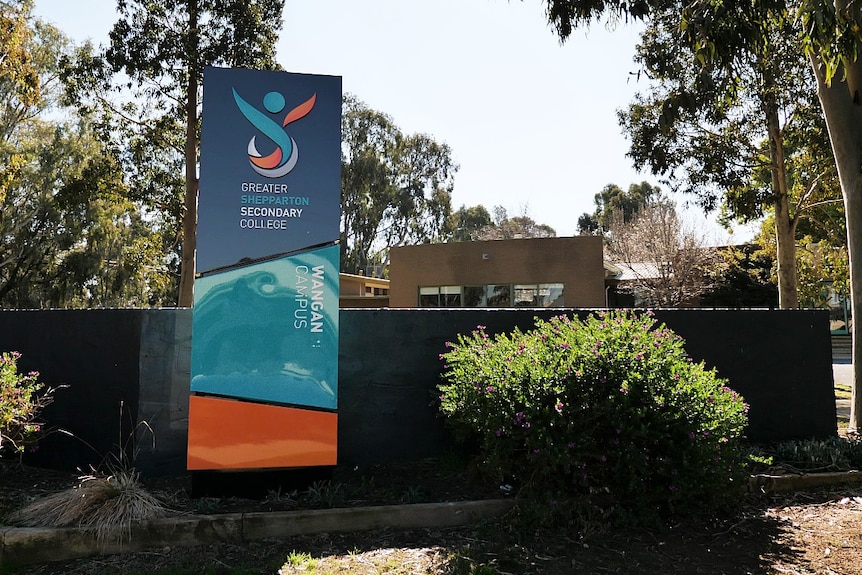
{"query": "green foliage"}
[(396, 189), (609, 407), (505, 227), (615, 203), (22, 398), (742, 277), (326, 494), (70, 234), (16, 64), (833, 454), (466, 224), (824, 272), (144, 87)]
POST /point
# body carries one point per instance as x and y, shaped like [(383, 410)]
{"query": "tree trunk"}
[(841, 108), (785, 228), (190, 213)]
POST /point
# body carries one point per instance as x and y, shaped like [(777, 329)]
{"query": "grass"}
[(385, 561), (104, 505), (299, 562)]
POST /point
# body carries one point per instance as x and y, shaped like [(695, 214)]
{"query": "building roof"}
[(632, 271)]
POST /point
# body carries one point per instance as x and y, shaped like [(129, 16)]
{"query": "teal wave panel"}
[(269, 331)]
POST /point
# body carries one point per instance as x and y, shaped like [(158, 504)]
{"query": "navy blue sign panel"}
[(270, 165)]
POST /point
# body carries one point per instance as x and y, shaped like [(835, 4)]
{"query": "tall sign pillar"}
[(264, 373)]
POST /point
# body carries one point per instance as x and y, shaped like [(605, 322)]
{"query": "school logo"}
[(283, 159)]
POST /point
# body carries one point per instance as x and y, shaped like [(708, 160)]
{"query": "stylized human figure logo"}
[(283, 159)]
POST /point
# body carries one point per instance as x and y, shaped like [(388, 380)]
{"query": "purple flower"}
[(559, 406), (489, 389), (604, 458)]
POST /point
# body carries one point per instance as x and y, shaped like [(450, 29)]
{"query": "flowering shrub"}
[(610, 406), (22, 398)]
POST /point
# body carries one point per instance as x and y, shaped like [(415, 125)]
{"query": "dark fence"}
[(780, 361)]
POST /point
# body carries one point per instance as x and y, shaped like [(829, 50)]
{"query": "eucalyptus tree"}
[(829, 34), (466, 223), (18, 74), (16, 60), (612, 201), (149, 80), (727, 132), (506, 227), (396, 189), (64, 194)]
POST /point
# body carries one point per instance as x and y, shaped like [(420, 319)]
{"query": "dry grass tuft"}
[(103, 505)]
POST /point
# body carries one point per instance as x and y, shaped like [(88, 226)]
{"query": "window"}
[(429, 296), (450, 296), (499, 295), (493, 295), (440, 296), (551, 295), (475, 296), (526, 295)]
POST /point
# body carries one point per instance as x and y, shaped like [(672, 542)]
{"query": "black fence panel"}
[(389, 367), (94, 354)]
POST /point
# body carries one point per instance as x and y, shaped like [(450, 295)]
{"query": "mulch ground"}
[(804, 533)]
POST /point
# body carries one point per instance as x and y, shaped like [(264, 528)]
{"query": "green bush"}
[(22, 398), (832, 454), (609, 407)]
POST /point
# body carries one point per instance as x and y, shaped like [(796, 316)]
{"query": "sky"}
[(531, 122)]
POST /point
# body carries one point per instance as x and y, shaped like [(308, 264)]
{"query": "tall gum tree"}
[(396, 189), (68, 235), (830, 34), (162, 47), (727, 131)]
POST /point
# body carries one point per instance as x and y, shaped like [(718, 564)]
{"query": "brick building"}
[(535, 272)]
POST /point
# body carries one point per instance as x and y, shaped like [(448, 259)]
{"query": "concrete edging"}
[(764, 483), (29, 545)]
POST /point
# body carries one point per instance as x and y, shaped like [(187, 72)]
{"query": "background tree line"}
[(99, 155), (736, 73)]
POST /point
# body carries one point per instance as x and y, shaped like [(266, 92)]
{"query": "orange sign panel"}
[(230, 434)]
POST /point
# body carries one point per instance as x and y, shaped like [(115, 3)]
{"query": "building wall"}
[(575, 262), (362, 286)]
